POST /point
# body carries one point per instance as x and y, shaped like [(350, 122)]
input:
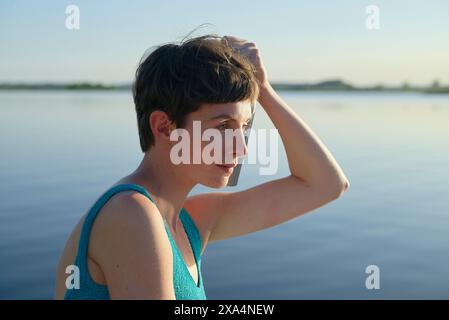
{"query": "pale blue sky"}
[(299, 40)]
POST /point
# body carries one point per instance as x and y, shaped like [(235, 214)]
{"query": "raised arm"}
[(315, 179)]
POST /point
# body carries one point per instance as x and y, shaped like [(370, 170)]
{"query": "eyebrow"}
[(227, 116)]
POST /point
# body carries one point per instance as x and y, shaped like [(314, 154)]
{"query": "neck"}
[(166, 185)]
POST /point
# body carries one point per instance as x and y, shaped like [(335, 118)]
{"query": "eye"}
[(222, 126), (225, 125)]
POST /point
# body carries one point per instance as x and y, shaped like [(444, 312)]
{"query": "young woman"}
[(143, 238)]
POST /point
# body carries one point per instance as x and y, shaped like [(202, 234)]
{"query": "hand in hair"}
[(250, 51)]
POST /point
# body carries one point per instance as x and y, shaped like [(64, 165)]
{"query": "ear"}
[(160, 125)]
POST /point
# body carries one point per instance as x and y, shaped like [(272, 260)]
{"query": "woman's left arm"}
[(308, 158)]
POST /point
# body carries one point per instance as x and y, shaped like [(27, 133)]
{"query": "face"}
[(214, 150)]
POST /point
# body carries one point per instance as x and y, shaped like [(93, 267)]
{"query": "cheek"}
[(210, 149), (220, 147)]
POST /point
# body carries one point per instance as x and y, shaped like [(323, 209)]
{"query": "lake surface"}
[(61, 150)]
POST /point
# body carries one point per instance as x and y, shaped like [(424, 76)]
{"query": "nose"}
[(241, 148), (235, 146)]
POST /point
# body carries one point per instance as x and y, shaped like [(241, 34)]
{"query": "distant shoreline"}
[(330, 85)]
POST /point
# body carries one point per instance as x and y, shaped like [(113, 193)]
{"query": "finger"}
[(249, 51), (234, 41), (243, 47), (254, 56), (248, 45)]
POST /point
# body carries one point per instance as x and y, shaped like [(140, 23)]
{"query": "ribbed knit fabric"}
[(184, 285)]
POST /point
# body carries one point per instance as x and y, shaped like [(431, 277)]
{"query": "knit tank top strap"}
[(184, 286), (83, 244)]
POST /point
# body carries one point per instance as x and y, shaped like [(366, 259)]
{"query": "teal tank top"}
[(184, 285)]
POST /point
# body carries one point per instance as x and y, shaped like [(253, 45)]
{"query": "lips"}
[(227, 168), (227, 165)]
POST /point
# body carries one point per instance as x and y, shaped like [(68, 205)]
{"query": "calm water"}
[(61, 150)]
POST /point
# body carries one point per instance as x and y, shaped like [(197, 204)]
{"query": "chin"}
[(212, 177), (216, 182)]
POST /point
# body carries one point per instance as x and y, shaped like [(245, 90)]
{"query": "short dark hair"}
[(179, 78)]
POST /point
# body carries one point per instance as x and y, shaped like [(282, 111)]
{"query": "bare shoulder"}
[(128, 250), (129, 242), (125, 213), (126, 209)]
